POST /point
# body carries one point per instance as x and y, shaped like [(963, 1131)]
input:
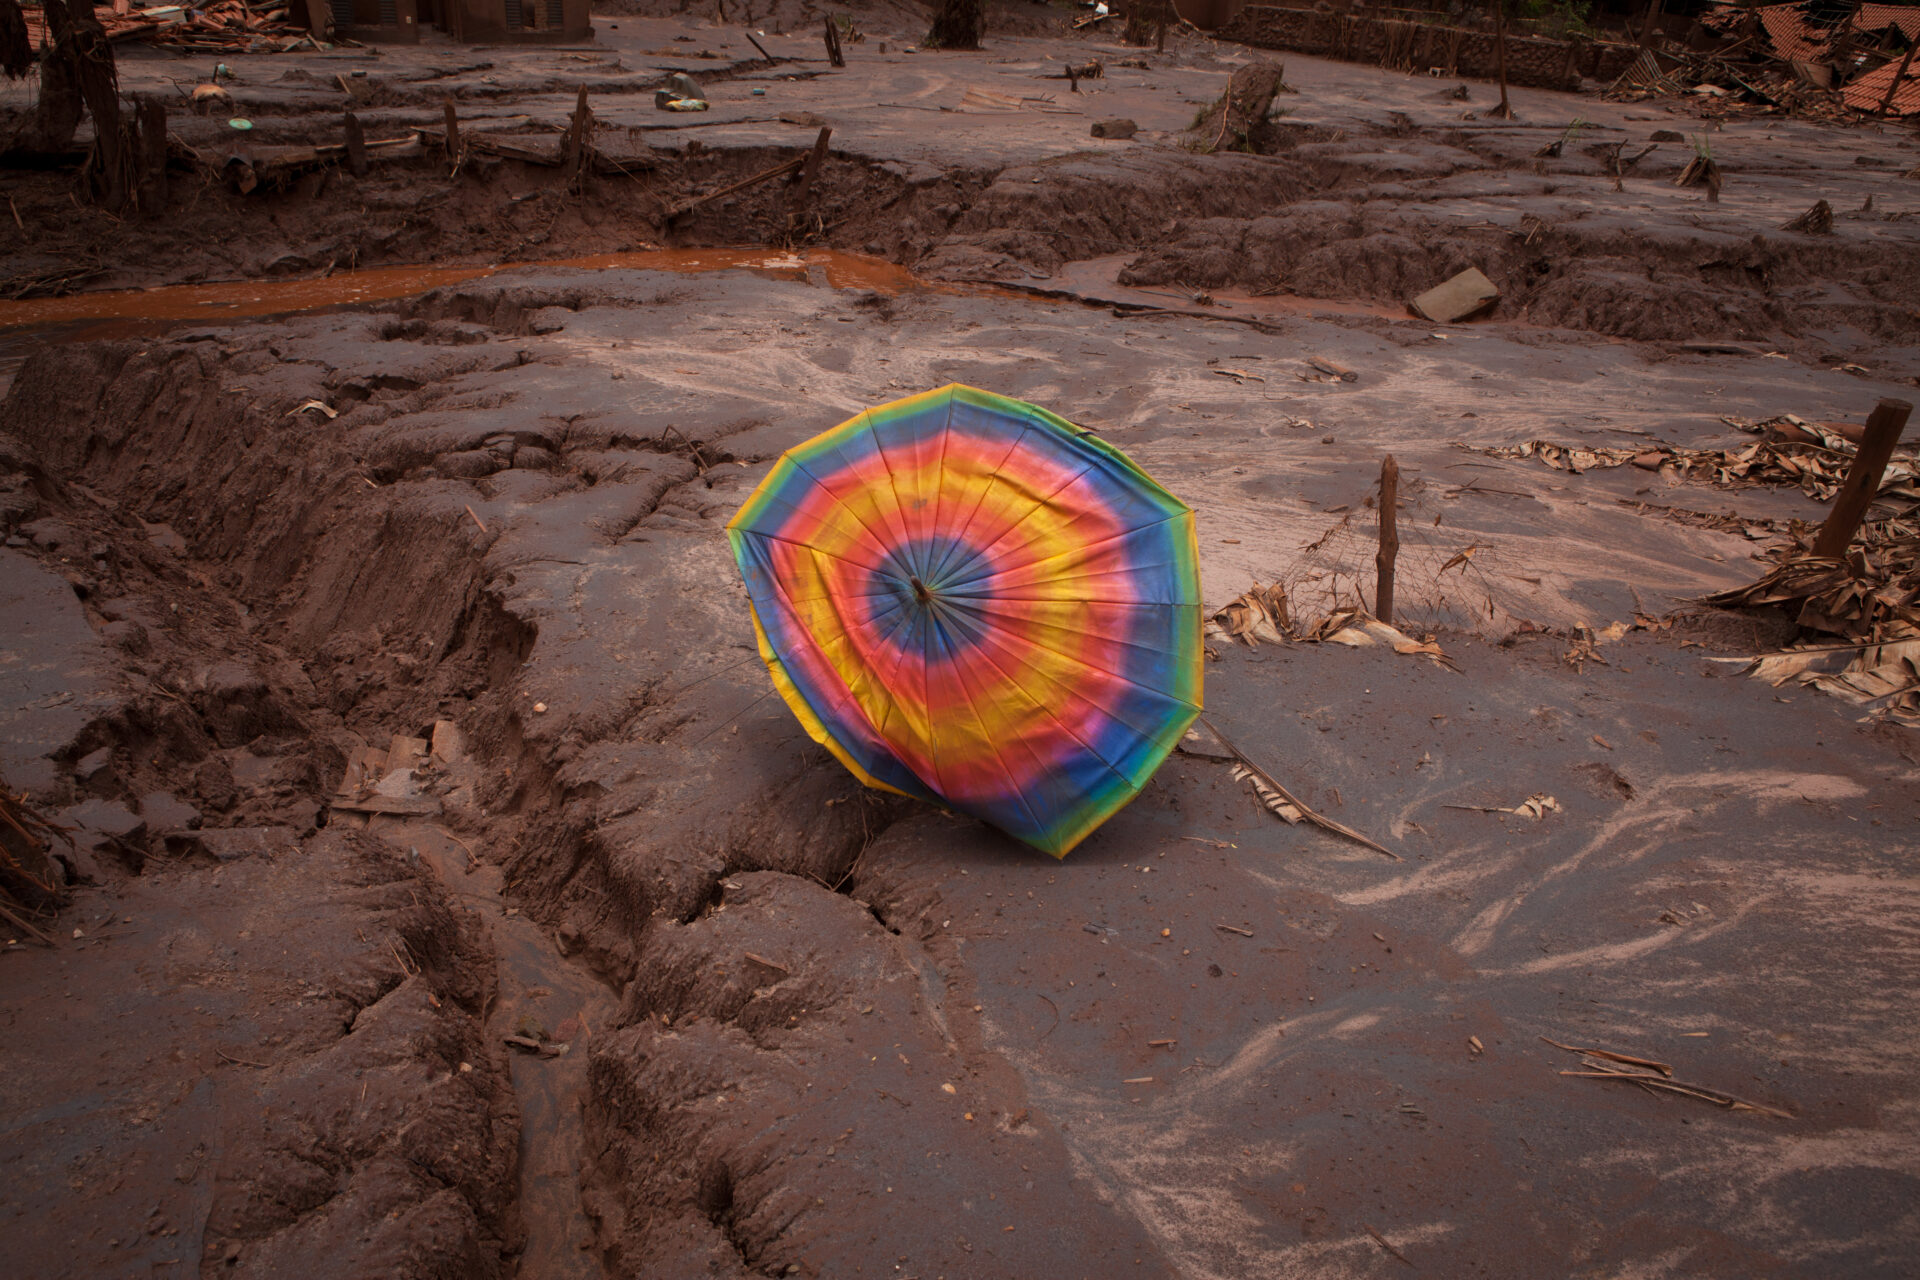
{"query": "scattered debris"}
[(1622, 1058), (1867, 600), (1266, 783), (389, 781), (30, 876), (1535, 806), (1339, 371), (1602, 1064), (1701, 171), (1273, 800), (1382, 1242), (1817, 221), (1816, 469), (1355, 629), (1460, 298), (1117, 127), (1260, 613), (538, 1047), (1234, 928), (1239, 119)]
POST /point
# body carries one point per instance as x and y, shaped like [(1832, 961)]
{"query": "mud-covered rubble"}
[(790, 1066), (1374, 187), (284, 1074), (515, 522)]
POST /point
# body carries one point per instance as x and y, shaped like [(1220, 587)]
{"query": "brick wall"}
[(1419, 46)]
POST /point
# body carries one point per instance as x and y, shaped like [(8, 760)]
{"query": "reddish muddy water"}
[(110, 314)]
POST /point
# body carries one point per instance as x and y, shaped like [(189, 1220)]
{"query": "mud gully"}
[(410, 872)]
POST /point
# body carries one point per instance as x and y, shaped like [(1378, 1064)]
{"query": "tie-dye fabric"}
[(970, 600)]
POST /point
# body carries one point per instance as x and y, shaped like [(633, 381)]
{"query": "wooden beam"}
[(758, 178), (1886, 103), (1862, 484)]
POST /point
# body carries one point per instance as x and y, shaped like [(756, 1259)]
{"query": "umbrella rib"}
[(1042, 624), (1018, 792), (822, 551), (966, 585), (1074, 657), (838, 501), (992, 478), (904, 535), (1026, 515), (892, 702), (940, 481), (1047, 710), (1161, 694)]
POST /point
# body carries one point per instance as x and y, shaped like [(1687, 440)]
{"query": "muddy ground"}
[(811, 1031)]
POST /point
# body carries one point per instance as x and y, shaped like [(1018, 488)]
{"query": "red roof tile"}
[(1866, 92)]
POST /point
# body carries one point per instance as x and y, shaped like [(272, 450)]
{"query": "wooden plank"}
[(397, 806), (687, 205), (405, 752), (366, 766)]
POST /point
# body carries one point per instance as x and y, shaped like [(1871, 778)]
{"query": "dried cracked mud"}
[(809, 1030)]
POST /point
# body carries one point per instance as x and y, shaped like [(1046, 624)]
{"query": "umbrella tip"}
[(920, 591)]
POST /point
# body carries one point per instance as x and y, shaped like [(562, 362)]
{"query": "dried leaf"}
[(1272, 799)]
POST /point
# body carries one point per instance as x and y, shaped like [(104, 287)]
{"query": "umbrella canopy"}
[(970, 600)]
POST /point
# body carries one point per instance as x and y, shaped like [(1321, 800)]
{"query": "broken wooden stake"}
[(356, 147), (453, 133), (767, 175), (1389, 540), (1862, 484), (1502, 111), (811, 169), (763, 53), (579, 136), (833, 44), (150, 114)]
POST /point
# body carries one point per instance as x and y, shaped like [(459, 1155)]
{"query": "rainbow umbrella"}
[(972, 601)]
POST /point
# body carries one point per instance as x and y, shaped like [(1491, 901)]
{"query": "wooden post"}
[(579, 136), (1886, 103), (809, 171), (1646, 27), (756, 44), (453, 133), (151, 114), (1503, 111), (356, 147), (833, 44), (1389, 540), (1862, 484)]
